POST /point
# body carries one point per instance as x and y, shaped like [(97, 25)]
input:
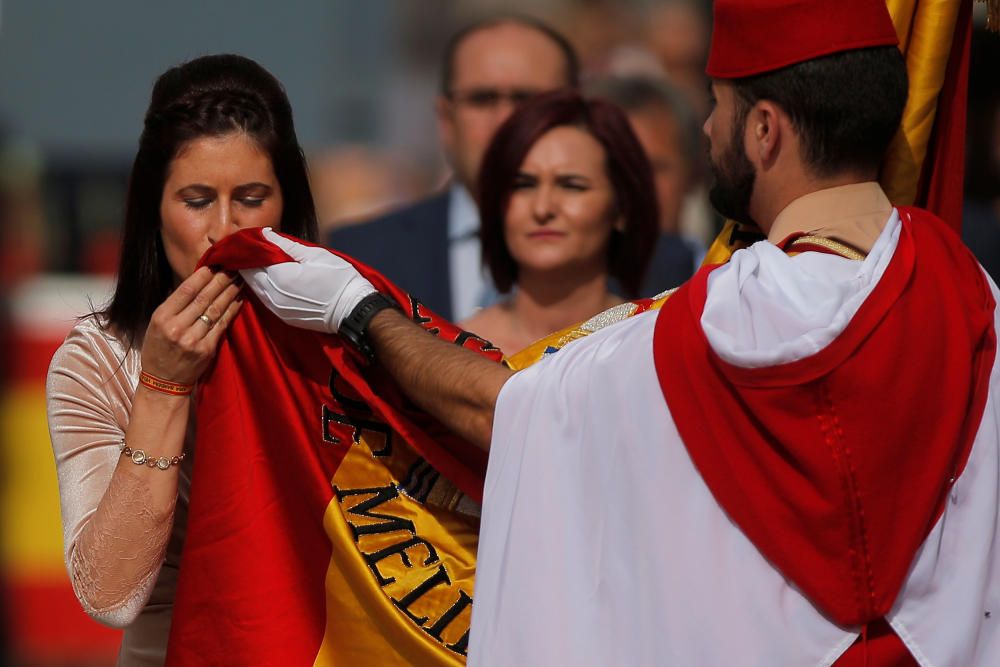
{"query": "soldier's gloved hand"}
[(315, 292)]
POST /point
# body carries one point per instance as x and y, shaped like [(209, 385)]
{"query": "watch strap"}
[(354, 328)]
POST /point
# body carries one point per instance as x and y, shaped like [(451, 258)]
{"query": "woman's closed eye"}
[(197, 196), (523, 182), (576, 183), (252, 195), (198, 202), (252, 202)]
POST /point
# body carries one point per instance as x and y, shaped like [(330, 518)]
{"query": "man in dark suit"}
[(431, 248)]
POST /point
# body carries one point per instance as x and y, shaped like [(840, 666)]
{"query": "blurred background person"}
[(670, 135), (981, 213), (353, 181), (566, 201), (218, 153), (431, 248), (598, 31), (669, 42), (677, 32)]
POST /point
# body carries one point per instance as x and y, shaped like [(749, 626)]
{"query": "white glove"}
[(317, 292)]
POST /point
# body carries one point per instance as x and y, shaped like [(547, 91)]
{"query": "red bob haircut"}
[(628, 169)]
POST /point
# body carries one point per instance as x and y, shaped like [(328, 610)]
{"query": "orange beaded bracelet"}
[(164, 386)]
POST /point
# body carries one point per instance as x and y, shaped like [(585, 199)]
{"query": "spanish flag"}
[(331, 522)]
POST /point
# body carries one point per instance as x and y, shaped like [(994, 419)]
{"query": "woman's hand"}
[(185, 329)]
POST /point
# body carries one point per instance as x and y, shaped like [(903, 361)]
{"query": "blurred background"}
[(75, 80)]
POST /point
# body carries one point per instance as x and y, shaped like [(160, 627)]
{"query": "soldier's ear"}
[(764, 131)]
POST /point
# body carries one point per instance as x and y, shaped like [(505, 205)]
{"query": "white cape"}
[(601, 545)]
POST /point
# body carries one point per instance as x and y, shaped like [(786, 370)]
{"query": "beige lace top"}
[(91, 382)]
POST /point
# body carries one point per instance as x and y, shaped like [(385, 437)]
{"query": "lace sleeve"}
[(114, 543)]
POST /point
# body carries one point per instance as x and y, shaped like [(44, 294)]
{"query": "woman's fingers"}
[(204, 302), (175, 340), (217, 331), (215, 310), (186, 292), (189, 301)]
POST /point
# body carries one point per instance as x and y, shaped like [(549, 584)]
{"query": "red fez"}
[(755, 36)]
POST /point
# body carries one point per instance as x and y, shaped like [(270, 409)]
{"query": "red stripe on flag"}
[(943, 177), (45, 622), (30, 361)]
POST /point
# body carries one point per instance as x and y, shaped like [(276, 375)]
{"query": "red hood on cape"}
[(837, 466)]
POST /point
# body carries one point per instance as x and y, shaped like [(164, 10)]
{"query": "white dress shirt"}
[(471, 285)]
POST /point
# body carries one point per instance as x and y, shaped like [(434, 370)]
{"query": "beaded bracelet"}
[(164, 386), (140, 457)]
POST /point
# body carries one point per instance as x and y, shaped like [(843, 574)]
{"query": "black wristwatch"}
[(354, 328)]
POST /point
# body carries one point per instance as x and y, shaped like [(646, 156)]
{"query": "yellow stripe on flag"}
[(929, 29), (30, 526)]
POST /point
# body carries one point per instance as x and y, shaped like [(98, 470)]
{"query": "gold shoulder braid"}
[(833, 246)]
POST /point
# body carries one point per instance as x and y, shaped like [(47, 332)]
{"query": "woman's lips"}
[(546, 234)]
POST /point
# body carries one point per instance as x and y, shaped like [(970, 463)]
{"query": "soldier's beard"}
[(734, 176)]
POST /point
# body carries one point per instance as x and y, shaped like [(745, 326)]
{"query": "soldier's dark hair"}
[(846, 107)]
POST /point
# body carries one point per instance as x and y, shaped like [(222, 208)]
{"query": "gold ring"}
[(207, 320)]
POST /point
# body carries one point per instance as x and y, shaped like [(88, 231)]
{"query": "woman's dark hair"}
[(627, 168), (207, 97)]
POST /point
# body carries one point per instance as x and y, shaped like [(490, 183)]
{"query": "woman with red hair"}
[(567, 201)]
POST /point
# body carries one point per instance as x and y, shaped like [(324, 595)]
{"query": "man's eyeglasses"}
[(490, 98)]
